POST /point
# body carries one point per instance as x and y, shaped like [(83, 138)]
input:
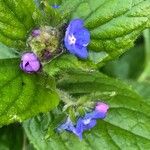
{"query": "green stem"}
[(146, 73), (24, 142), (67, 99)]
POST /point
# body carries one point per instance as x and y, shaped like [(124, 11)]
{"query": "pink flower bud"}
[(30, 63), (102, 107)]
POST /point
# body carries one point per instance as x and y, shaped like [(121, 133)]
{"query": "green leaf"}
[(143, 88), (82, 11), (126, 67), (127, 118), (127, 125), (66, 62), (7, 53), (115, 25), (61, 63), (11, 137), (51, 16), (17, 18), (24, 95), (68, 7)]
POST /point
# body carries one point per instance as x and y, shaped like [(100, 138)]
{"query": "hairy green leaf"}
[(65, 62), (127, 125), (51, 16), (115, 25), (24, 95), (143, 88), (82, 11), (17, 17), (68, 7)]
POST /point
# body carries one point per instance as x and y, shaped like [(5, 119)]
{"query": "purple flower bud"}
[(99, 112), (101, 107), (46, 54), (36, 32), (30, 63), (45, 42)]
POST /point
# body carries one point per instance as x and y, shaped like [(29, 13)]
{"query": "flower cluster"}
[(45, 44), (87, 122)]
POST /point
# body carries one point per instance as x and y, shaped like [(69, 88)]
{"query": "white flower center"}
[(86, 121), (72, 39)]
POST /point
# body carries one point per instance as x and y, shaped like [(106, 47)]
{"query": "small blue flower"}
[(84, 124), (95, 115), (68, 125), (55, 6), (87, 122), (77, 38)]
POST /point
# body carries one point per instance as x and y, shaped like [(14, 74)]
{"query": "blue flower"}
[(95, 115), (87, 122), (55, 6), (77, 38), (84, 124), (68, 125), (81, 126)]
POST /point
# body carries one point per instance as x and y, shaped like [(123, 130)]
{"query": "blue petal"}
[(83, 37), (95, 115), (90, 125), (75, 25), (79, 126), (68, 125), (80, 51)]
